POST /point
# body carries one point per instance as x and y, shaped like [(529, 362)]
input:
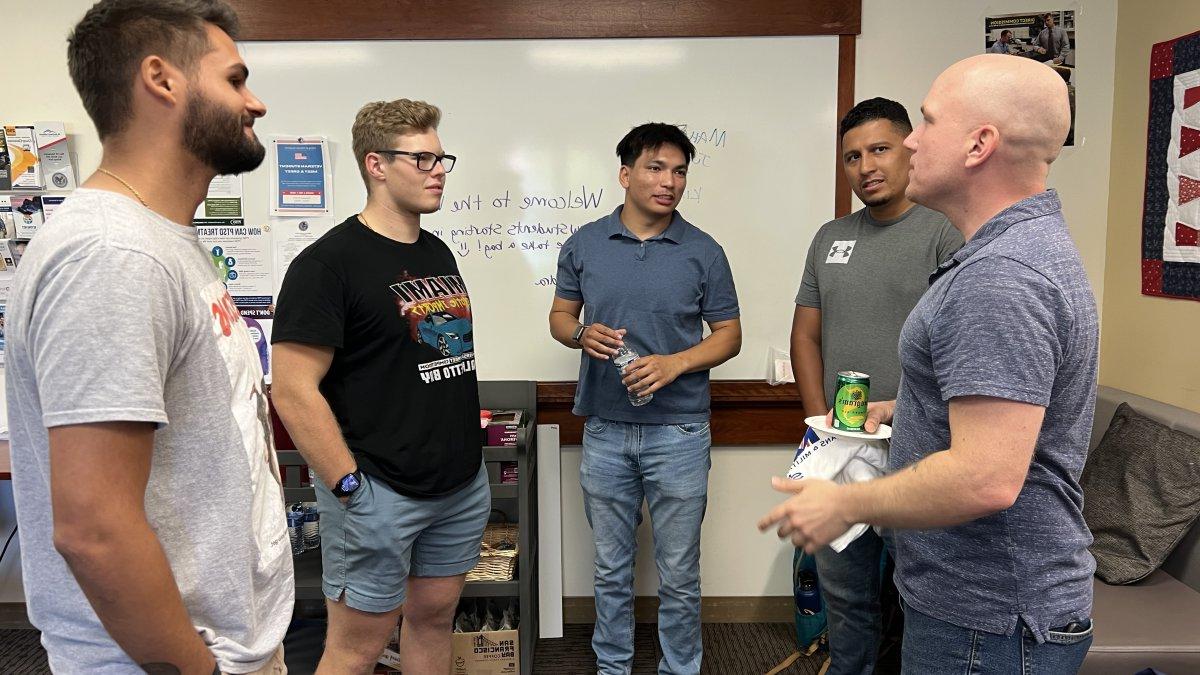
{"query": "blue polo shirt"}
[(661, 291), (1011, 316)]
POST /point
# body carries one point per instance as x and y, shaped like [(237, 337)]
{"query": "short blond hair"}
[(378, 123)]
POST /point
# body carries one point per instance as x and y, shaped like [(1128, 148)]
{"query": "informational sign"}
[(224, 198), (300, 177)]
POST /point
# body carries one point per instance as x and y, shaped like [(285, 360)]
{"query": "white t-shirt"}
[(118, 314)]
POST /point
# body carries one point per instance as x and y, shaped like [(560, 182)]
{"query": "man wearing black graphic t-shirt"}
[(375, 381)]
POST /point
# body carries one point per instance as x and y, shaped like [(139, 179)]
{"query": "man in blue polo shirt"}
[(647, 280), (997, 391)]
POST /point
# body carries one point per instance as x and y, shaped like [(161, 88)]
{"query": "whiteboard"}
[(535, 124)]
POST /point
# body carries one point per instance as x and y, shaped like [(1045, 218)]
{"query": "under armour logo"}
[(840, 252)]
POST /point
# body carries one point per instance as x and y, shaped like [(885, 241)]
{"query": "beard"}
[(216, 137), (878, 201)]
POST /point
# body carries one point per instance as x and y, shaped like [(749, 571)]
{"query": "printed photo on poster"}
[(300, 177), (1047, 36)]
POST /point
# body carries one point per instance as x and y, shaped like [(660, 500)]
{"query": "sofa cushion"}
[(1151, 623), (1141, 488)]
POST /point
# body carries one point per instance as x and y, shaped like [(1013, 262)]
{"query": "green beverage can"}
[(850, 402)]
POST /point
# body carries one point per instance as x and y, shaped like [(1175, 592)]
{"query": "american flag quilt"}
[(1171, 210)]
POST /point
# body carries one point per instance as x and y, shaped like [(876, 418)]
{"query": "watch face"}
[(348, 484)]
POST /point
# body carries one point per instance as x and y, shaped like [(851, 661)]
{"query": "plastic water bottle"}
[(310, 531), (623, 358), (295, 521)]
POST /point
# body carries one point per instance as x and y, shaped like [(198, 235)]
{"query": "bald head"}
[(992, 124), (1025, 100)]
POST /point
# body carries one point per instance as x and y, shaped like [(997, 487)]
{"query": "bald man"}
[(995, 405)]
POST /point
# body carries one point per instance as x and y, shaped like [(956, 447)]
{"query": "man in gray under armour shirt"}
[(863, 274)]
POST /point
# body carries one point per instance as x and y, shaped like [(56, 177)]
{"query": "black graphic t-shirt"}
[(402, 382)]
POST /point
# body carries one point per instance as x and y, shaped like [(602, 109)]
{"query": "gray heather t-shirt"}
[(117, 314), (1012, 316), (865, 275)]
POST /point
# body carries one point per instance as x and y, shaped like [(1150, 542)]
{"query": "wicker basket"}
[(498, 554)]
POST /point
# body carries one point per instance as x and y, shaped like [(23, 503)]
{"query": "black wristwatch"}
[(347, 485), (578, 334)]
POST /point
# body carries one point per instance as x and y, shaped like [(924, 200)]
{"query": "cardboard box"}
[(487, 653), (502, 429), (54, 156), (24, 169)]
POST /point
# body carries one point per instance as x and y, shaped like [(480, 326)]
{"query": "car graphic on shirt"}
[(449, 334)]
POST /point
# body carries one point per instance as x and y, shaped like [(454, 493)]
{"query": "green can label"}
[(850, 402)]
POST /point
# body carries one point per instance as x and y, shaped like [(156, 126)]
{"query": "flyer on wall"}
[(1048, 36), (291, 236), (242, 255), (301, 183), (224, 198)]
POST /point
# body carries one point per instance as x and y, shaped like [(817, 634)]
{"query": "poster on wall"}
[(300, 176), (1045, 35), (1171, 209), (293, 235), (224, 198), (242, 256)]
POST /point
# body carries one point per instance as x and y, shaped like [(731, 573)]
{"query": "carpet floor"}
[(729, 649)]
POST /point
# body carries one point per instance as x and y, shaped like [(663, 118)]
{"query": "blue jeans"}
[(935, 647), (667, 465), (850, 583)]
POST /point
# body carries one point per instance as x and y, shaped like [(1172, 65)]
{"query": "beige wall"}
[(1149, 345), (905, 45)]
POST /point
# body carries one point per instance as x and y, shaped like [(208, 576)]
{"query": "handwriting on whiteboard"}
[(534, 225)]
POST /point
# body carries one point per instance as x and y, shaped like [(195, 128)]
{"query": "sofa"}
[(1154, 623)]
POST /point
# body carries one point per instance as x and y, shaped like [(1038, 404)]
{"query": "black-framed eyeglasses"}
[(425, 160)]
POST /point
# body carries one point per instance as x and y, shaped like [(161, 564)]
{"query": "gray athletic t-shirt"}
[(865, 275), (117, 314)]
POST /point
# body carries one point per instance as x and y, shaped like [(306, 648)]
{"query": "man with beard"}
[(375, 380), (863, 274), (147, 491)]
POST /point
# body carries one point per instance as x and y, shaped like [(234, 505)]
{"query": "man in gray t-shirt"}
[(147, 490), (991, 425), (863, 274)]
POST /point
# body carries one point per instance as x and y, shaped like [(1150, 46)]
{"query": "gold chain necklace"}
[(364, 222), (123, 182)]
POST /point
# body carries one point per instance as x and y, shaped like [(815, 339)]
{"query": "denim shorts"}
[(371, 544)]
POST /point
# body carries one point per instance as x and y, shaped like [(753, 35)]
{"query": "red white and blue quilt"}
[(1171, 210)]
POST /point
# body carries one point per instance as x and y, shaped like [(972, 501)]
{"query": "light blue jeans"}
[(667, 465)]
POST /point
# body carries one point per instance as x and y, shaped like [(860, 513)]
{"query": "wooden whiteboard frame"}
[(745, 412)]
